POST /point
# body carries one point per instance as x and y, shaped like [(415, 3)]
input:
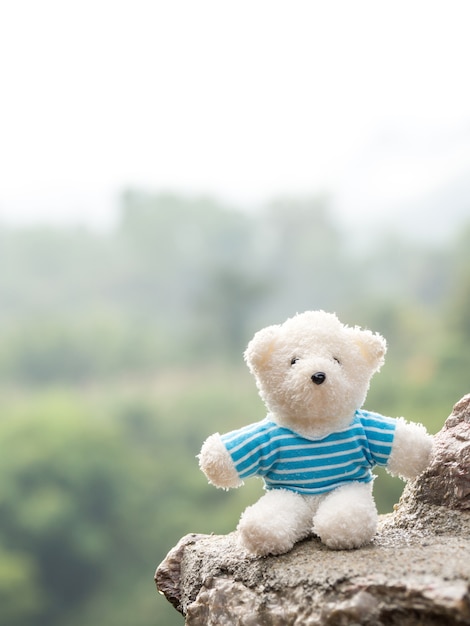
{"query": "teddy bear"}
[(316, 447)]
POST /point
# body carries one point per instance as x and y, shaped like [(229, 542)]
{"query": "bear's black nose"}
[(318, 378)]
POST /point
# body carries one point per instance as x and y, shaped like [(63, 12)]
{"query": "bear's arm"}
[(411, 450), (216, 463)]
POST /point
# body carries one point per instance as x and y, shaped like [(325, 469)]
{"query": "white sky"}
[(245, 99)]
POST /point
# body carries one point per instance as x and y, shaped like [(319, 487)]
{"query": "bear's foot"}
[(347, 517), (275, 523)]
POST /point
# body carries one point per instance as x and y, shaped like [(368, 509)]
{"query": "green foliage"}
[(97, 484), (20, 600), (61, 501), (121, 352)]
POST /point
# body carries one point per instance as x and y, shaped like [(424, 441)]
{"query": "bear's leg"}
[(347, 517), (275, 523)]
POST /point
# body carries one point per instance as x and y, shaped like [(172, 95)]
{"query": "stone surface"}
[(417, 570), (447, 480)]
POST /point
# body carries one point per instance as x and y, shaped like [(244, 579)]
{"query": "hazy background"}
[(367, 101), (173, 177)]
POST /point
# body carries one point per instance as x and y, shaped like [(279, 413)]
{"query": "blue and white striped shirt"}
[(287, 460)]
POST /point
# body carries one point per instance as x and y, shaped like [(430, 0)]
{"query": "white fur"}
[(319, 340), (347, 517), (275, 523), (217, 464), (344, 519), (282, 359), (411, 451)]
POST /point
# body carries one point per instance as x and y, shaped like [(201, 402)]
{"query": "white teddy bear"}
[(316, 447)]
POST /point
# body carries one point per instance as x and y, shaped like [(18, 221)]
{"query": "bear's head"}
[(313, 372)]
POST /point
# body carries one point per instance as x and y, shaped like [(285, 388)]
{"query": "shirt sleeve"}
[(251, 448), (380, 433)]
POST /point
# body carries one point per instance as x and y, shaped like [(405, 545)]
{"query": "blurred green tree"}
[(61, 506)]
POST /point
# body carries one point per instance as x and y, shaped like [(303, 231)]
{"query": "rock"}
[(416, 572), (447, 480)]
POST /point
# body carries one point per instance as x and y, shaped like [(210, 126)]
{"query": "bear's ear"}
[(260, 348), (372, 345)]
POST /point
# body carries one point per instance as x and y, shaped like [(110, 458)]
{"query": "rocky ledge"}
[(416, 572)]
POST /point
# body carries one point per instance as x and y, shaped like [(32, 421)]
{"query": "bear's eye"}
[(294, 360), (337, 360)]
